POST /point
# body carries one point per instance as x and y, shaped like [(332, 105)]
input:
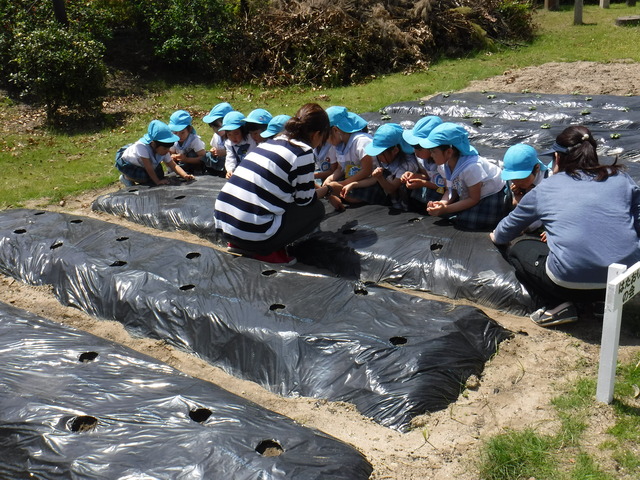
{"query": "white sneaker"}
[(564, 313)]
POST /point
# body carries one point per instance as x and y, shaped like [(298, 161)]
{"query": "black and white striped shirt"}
[(276, 174)]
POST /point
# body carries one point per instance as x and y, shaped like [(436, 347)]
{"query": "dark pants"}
[(296, 222), (529, 257)]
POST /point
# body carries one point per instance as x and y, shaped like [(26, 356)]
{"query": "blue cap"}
[(448, 133), (421, 129), (519, 161), (276, 125), (556, 147), (233, 121), (217, 112), (158, 132), (345, 120), (179, 120), (387, 136), (260, 116)]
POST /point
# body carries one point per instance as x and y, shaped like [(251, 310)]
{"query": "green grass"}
[(563, 455), (49, 164)]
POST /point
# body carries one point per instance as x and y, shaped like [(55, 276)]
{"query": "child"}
[(238, 142), (349, 136), (141, 162), (477, 198), (397, 159), (523, 170), (590, 213), (427, 184), (215, 157), (189, 150), (326, 162), (257, 122), (276, 125)]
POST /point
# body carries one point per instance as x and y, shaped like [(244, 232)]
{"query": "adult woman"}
[(270, 200), (591, 216)]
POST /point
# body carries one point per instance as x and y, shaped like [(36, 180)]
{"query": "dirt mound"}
[(616, 78)]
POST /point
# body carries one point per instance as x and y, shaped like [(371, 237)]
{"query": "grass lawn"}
[(51, 164)]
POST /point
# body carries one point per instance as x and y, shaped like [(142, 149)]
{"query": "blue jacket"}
[(589, 225)]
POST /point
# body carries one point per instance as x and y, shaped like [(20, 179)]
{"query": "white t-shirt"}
[(482, 171), (350, 156), (193, 143), (216, 141), (139, 150), (237, 151), (400, 166), (325, 157)]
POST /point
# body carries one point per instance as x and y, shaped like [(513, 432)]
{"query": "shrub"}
[(55, 67)]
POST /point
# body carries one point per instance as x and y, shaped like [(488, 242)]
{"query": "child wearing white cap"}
[(477, 198), (189, 151), (349, 136), (141, 162), (214, 159), (238, 143), (396, 158)]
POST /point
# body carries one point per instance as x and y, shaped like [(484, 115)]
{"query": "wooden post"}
[(604, 3), (551, 4), (622, 285), (577, 12)]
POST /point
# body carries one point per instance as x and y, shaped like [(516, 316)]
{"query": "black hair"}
[(581, 154), (309, 118)]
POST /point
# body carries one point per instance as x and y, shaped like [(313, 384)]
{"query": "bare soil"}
[(513, 393)]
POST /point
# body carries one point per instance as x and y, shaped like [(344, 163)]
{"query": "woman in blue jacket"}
[(591, 216)]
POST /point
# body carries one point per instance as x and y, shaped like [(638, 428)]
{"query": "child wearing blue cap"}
[(276, 125), (477, 197), (141, 162), (257, 122), (189, 151), (396, 158), (349, 136), (214, 159), (428, 183), (238, 143)]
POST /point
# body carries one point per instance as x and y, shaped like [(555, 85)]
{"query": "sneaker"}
[(125, 181), (563, 313), (279, 256)]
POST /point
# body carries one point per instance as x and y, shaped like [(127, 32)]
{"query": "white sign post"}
[(622, 285)]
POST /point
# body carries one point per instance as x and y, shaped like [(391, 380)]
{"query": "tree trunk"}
[(60, 12), (577, 12)]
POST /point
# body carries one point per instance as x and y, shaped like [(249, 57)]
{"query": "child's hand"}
[(406, 177), (163, 181), (177, 157), (543, 237), (188, 176), (346, 189), (436, 208), (377, 173), (413, 183)]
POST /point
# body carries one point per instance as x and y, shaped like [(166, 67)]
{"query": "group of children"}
[(431, 167)]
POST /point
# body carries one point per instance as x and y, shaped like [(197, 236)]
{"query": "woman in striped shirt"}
[(271, 199)]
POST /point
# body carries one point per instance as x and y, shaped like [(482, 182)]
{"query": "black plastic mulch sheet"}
[(410, 250), (369, 243), (392, 355), (495, 121), (77, 406)]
